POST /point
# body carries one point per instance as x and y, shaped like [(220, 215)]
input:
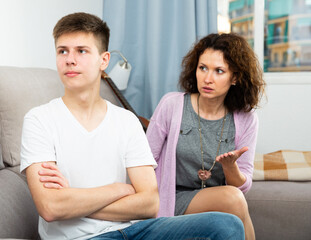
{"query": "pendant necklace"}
[(203, 173)]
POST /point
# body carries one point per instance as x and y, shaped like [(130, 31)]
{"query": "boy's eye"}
[(62, 51), (82, 51)]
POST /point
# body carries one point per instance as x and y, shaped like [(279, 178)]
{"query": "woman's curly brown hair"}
[(243, 63)]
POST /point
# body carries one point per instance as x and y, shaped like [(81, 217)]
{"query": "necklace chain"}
[(201, 142)]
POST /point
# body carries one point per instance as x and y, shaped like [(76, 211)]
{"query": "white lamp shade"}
[(120, 75)]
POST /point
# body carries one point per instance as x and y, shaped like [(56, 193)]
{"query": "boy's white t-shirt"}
[(86, 159)]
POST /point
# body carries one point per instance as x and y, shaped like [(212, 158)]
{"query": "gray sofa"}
[(280, 210)]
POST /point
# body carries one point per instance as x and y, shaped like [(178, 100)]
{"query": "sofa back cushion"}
[(1, 160), (20, 90)]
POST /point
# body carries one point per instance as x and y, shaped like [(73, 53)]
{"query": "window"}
[(279, 32)]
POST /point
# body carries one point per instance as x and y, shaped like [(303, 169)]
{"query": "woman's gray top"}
[(188, 153)]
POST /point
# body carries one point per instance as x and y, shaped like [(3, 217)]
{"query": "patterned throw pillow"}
[(283, 165)]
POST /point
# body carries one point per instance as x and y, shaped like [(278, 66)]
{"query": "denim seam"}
[(123, 234)]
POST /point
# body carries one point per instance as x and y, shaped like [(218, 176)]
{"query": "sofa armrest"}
[(18, 214)]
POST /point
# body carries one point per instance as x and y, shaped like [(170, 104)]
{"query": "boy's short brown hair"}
[(84, 22)]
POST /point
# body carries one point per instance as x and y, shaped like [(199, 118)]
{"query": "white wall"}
[(26, 29), (285, 120)]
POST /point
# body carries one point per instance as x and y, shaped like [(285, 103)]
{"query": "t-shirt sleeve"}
[(36, 143), (138, 152)]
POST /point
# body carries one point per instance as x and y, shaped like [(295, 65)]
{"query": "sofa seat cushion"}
[(19, 217), (280, 209)]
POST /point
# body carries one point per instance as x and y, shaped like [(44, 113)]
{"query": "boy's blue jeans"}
[(210, 225)]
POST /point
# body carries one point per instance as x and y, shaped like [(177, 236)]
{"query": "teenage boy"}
[(88, 163)]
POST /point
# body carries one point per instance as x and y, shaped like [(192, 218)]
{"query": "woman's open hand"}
[(51, 177), (230, 158)]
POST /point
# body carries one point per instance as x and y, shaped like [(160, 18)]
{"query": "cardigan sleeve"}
[(162, 134), (158, 127), (246, 135), (165, 119), (156, 137)]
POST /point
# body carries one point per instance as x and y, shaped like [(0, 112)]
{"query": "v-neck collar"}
[(78, 125)]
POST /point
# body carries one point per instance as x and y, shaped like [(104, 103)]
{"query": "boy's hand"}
[(51, 177)]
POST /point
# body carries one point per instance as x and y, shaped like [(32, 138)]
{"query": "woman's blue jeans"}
[(210, 225)]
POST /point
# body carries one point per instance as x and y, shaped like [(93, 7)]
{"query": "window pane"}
[(288, 35), (237, 16), (287, 31)]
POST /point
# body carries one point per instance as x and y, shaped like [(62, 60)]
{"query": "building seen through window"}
[(287, 31)]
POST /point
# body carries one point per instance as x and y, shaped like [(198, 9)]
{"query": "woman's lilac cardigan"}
[(163, 132)]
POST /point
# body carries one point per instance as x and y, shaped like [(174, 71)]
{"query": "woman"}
[(204, 139)]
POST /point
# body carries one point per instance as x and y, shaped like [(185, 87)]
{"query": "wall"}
[(26, 29), (285, 119)]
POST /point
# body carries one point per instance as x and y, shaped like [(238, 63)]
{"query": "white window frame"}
[(273, 77)]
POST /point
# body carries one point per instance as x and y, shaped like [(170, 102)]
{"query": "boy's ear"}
[(105, 57)]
